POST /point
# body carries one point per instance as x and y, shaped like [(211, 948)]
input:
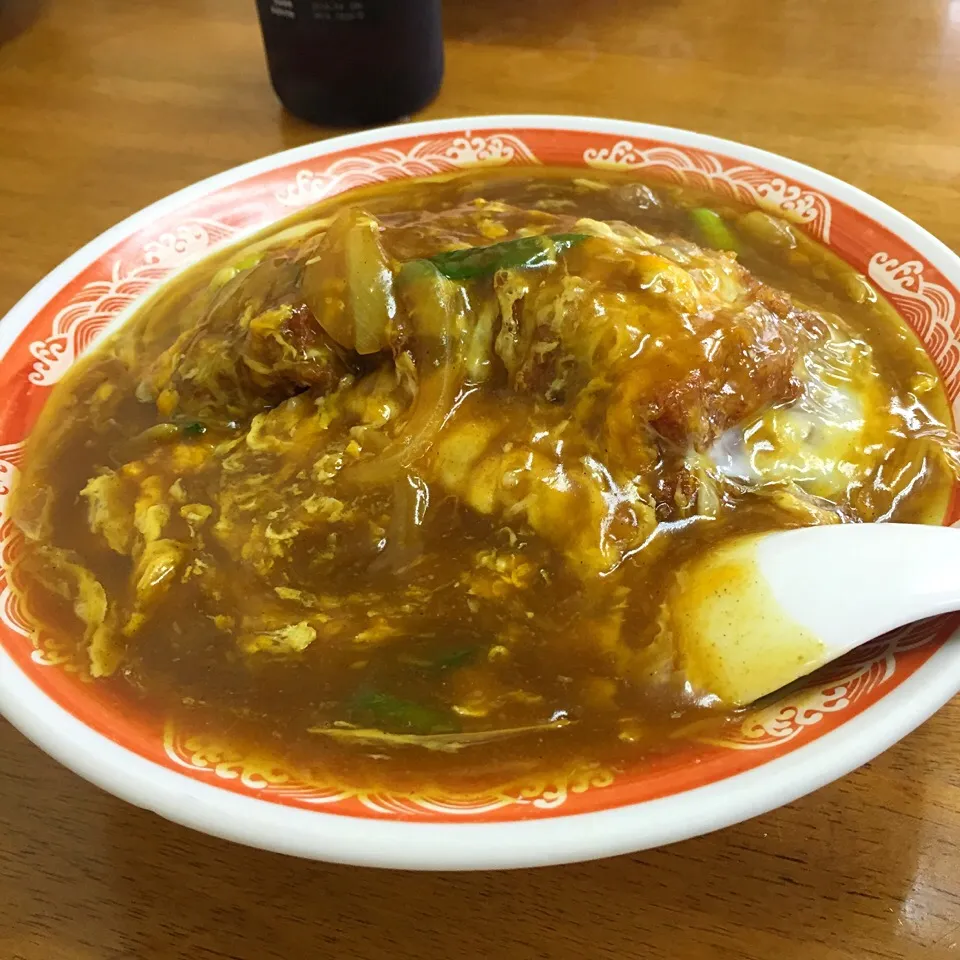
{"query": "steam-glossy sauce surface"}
[(396, 491)]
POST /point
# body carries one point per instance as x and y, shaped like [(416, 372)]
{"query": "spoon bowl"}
[(757, 613)]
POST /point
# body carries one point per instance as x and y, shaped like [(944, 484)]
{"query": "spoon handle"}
[(849, 583)]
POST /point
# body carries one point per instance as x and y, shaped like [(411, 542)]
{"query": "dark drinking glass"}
[(353, 62)]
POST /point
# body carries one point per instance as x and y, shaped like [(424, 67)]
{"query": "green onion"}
[(714, 230), (195, 429), (455, 658), (523, 253), (400, 716)]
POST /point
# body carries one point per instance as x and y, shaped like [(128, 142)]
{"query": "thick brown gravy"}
[(342, 509)]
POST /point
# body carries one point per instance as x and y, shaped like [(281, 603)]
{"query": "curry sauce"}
[(399, 488)]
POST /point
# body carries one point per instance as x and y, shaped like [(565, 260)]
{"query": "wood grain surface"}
[(106, 105)]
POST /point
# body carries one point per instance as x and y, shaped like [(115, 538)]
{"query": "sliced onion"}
[(348, 284), (437, 311)]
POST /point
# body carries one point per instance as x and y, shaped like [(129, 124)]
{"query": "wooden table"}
[(106, 105)]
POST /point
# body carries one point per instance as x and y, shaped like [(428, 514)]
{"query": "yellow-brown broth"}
[(560, 651)]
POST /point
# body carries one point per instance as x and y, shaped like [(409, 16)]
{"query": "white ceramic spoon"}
[(757, 613)]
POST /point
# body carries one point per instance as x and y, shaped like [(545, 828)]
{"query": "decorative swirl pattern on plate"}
[(100, 302), (832, 689), (927, 306), (743, 182), (11, 455), (186, 242), (79, 323), (46, 651), (389, 163), (205, 754), (12, 614)]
